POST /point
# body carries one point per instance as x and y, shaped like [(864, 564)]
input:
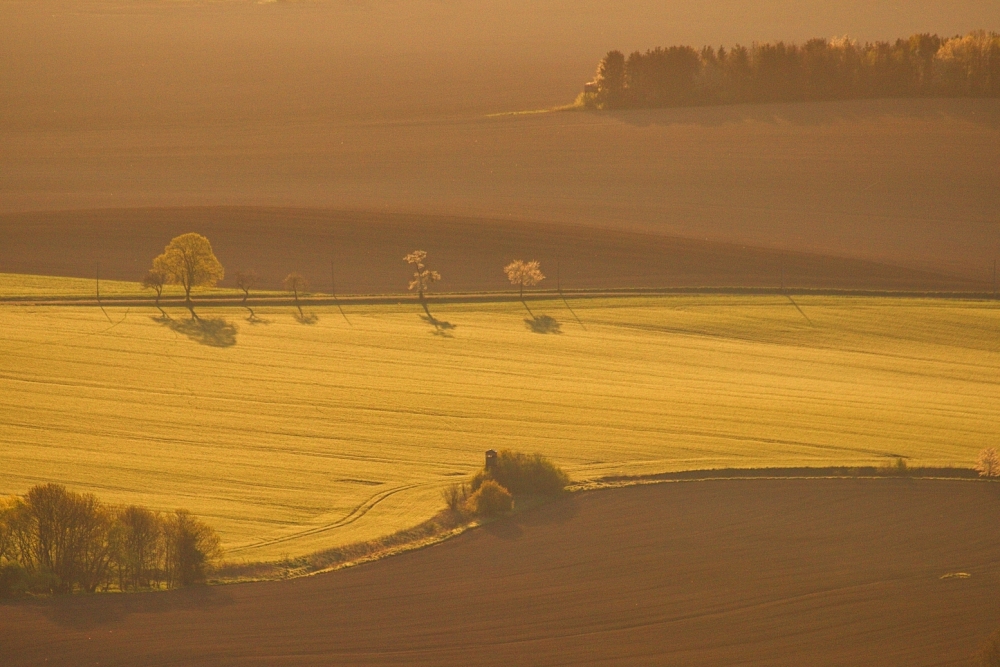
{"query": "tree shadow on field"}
[(79, 612), (552, 512), (541, 324), (214, 332), (304, 318), (441, 328)]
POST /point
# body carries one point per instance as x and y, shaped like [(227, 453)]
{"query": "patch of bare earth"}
[(735, 572), (365, 252)]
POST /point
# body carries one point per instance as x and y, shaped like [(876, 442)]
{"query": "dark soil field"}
[(386, 107), (753, 572), (367, 250)]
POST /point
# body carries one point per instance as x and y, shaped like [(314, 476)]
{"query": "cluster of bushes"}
[(820, 69), (53, 540), (491, 491)]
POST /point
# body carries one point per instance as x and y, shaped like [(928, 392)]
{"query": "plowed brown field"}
[(753, 572), (386, 106), (367, 250)]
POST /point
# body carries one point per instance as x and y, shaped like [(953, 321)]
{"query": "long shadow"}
[(303, 318), (214, 332), (815, 114), (801, 312), (572, 312), (441, 328), (86, 612), (541, 324)]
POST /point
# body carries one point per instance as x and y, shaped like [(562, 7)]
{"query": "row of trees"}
[(820, 69), (188, 261), (53, 540)]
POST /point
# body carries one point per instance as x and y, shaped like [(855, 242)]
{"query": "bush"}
[(531, 474), (988, 463), (490, 499), (455, 496), (897, 467), (989, 655), (15, 581)]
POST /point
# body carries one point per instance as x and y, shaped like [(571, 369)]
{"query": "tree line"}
[(53, 540), (820, 69), (188, 261)]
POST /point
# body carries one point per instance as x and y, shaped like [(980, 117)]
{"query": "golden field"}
[(292, 437)]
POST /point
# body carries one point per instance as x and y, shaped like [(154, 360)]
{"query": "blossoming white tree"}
[(524, 274)]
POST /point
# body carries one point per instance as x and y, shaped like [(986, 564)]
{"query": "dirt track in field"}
[(366, 250), (751, 572)]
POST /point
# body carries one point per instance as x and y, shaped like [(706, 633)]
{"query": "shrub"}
[(897, 467), (531, 474), (989, 655), (15, 581), (988, 463), (490, 499), (455, 496)]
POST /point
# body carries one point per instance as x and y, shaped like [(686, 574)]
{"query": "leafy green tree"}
[(610, 80), (188, 261), (191, 547)]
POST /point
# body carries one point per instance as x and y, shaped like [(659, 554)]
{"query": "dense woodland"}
[(820, 69), (53, 540)]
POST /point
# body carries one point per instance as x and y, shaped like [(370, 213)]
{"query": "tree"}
[(191, 546), (295, 283), (188, 261), (247, 280), (423, 277), (137, 539), (610, 80), (155, 280), (988, 463), (524, 274)]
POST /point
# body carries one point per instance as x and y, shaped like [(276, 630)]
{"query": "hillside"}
[(290, 438), (384, 108), (803, 572), (366, 250)]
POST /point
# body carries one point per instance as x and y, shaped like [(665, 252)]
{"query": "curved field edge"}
[(286, 427), (447, 525)]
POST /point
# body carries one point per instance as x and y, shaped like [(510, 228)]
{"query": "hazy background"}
[(383, 106)]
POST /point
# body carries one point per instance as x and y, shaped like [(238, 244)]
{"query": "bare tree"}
[(988, 463), (155, 280), (188, 261), (295, 283), (245, 281), (524, 274)]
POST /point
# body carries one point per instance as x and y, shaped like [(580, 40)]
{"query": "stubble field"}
[(291, 437)]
